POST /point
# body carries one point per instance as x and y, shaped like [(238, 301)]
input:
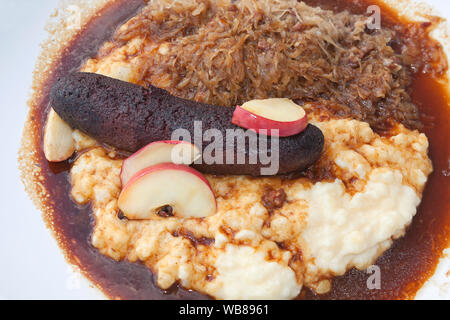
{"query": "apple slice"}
[(184, 189), (278, 114), (59, 144), (178, 152)]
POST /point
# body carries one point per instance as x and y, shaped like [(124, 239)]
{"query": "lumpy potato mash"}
[(246, 251)]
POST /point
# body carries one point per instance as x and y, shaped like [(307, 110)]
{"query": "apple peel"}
[(183, 188), (273, 117), (178, 152)]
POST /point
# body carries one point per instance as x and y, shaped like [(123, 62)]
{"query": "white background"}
[(31, 264)]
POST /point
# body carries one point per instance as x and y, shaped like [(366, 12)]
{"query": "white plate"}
[(32, 266)]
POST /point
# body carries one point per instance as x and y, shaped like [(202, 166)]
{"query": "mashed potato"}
[(246, 252)]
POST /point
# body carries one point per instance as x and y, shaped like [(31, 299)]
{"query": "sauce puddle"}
[(411, 260), (404, 267)]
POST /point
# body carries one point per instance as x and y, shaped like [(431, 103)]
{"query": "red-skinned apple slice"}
[(281, 115), (184, 189), (178, 152)]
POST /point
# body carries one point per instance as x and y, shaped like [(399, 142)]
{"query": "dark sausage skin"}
[(129, 117)]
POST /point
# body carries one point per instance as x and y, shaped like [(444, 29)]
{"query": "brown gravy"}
[(405, 267)]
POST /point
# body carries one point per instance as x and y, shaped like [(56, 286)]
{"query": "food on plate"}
[(281, 115), (334, 223), (182, 188), (361, 113)]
